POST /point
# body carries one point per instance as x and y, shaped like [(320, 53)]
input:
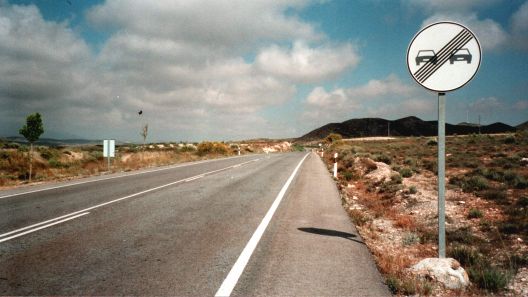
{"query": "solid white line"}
[(42, 227), (119, 199), (236, 271), (126, 175)]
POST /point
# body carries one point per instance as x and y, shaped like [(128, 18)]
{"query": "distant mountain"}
[(523, 126), (409, 126)]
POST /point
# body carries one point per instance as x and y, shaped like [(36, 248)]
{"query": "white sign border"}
[(425, 28)]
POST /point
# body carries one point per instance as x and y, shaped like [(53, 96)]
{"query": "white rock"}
[(461, 202), (355, 197), (446, 271)]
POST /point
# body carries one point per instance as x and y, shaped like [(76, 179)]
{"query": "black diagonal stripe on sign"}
[(430, 63), (440, 61), (446, 50), (446, 57)]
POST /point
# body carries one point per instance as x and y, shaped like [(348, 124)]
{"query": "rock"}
[(461, 202), (446, 271), (383, 172), (355, 197)]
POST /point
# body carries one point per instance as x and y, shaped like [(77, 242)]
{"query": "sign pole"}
[(108, 155), (441, 176)]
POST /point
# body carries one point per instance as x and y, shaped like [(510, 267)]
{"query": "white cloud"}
[(486, 105), (456, 6), (376, 98), (181, 64), (302, 63), (521, 105), (219, 23), (519, 24), (490, 33)]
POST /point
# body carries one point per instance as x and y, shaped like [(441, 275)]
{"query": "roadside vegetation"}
[(67, 162), (395, 210)]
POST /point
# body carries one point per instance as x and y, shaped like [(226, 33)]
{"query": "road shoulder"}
[(311, 247)]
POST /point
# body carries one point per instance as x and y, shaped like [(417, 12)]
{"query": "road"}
[(250, 225)]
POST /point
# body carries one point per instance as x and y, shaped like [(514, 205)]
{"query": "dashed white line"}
[(42, 227), (120, 176), (236, 271), (76, 213)]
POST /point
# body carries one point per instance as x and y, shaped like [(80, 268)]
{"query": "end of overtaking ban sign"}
[(443, 57)]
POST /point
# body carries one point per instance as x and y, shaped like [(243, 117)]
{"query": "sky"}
[(242, 69)]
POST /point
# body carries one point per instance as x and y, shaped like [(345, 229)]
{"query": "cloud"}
[(519, 27), (218, 24), (490, 34), (457, 6), (185, 66), (302, 63), (376, 98), (521, 105), (486, 105)]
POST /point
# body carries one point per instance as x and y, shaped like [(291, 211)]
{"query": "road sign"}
[(444, 56), (109, 148)]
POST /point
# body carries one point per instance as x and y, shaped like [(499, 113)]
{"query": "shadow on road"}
[(328, 232)]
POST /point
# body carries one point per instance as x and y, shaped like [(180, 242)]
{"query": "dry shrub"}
[(404, 221), (392, 263)]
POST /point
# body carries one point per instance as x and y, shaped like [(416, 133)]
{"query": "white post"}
[(335, 165)]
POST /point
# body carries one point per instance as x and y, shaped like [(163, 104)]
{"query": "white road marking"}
[(231, 280), (120, 176), (42, 227), (195, 177), (116, 200)]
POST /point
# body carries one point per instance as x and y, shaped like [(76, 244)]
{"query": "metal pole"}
[(441, 176), (108, 154)]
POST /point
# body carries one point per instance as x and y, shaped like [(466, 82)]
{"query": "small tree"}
[(32, 131), (144, 133), (333, 137)]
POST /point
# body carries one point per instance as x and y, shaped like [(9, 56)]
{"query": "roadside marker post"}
[(335, 165), (109, 150), (443, 57)]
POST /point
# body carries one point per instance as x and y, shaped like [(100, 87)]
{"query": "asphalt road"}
[(188, 230)]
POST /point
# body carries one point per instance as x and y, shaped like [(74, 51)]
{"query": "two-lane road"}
[(175, 231)]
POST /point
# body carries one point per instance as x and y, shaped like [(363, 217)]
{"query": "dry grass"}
[(488, 203)]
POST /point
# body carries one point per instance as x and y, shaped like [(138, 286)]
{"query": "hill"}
[(523, 126), (408, 126)]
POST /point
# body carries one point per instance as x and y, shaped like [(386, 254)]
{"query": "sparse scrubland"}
[(389, 189), (67, 162)]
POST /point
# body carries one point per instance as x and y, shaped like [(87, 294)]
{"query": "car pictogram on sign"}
[(462, 54), (425, 56)]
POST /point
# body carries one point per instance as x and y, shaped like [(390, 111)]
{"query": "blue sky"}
[(231, 69)]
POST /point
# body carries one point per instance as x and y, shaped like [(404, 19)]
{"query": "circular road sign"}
[(444, 56)]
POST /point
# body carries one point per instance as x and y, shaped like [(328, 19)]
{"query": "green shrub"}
[(522, 202), (396, 178), (406, 172), (393, 284), (409, 161), (413, 190), (383, 158), (489, 278), (432, 142), (410, 238), (348, 175), (494, 194), (475, 213), (509, 139), (475, 183), (464, 255)]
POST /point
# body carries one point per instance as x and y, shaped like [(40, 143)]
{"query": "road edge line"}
[(234, 274)]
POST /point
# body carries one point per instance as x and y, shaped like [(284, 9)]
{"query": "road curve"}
[(176, 231)]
